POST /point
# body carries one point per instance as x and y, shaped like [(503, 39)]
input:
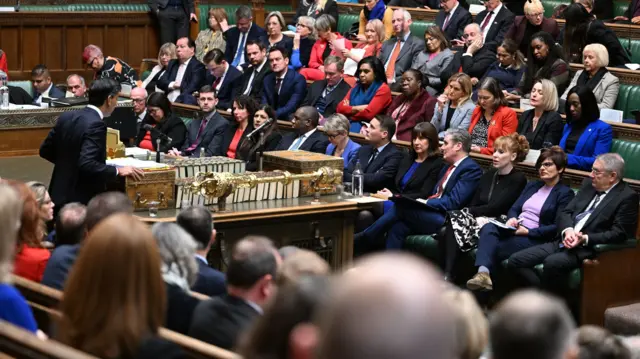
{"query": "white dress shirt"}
[(253, 75), (141, 116), (584, 220), (455, 167), (96, 110), (491, 21), (404, 39), (173, 95), (44, 94)]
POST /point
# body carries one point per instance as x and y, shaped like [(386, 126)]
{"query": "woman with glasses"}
[(211, 38), (375, 9), (316, 8), (324, 47), (532, 22), (337, 129), (162, 121), (303, 41), (434, 59)]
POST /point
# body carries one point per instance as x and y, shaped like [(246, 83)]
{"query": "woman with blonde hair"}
[(45, 204), (114, 305), (542, 125), (374, 37), (166, 53), (472, 327), (454, 107), (532, 22), (212, 38), (275, 26)]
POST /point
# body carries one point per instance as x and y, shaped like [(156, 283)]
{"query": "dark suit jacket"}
[(292, 92), (330, 8), (156, 347), (180, 308), (517, 30), (210, 282), (421, 183), (229, 89), (460, 187), (474, 66), (549, 128), (232, 36), (53, 93), (173, 127), (192, 80), (227, 137), (411, 48), (633, 5), (58, 266), (317, 142), (558, 199), (381, 172), (501, 24), (77, 146), (270, 144), (154, 5), (315, 92), (256, 88), (455, 26), (221, 320), (211, 138)]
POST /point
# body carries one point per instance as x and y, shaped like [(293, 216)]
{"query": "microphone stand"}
[(158, 141), (260, 151)]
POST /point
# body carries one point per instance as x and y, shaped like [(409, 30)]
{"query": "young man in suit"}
[(225, 78), (42, 85), (326, 94), (452, 19), (494, 21), (184, 75), (198, 222), (282, 89), (238, 36), (77, 148), (173, 18), (253, 76), (306, 137), (250, 284), (398, 52), (476, 57), (205, 133), (604, 211)]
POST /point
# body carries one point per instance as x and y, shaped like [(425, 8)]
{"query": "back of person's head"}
[(531, 325), (589, 106), (10, 213), (300, 264), (576, 14), (114, 296), (101, 89), (514, 143), (244, 12), (286, 251), (253, 259), (598, 343), (106, 204), (198, 222), (472, 327), (31, 225), (71, 224), (177, 251)]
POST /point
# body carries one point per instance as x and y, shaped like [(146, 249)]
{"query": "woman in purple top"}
[(532, 215)]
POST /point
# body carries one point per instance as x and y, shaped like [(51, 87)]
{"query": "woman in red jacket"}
[(370, 96), (492, 117), (415, 105), (325, 25)]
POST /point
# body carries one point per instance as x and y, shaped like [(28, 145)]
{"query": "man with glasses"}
[(76, 86), (326, 94), (452, 18), (532, 22), (139, 99), (494, 21), (605, 211), (109, 67), (476, 57), (306, 136)]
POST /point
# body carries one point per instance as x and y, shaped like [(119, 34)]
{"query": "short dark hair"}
[(198, 222), (252, 258), (100, 91), (106, 204), (207, 89), (312, 114), (248, 103), (71, 224), (260, 44), (40, 70), (590, 111), (159, 99), (555, 154), (386, 124), (429, 132), (283, 50), (492, 86), (215, 55), (190, 43)]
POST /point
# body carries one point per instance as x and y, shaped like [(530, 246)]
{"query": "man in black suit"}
[(494, 21), (198, 222), (475, 59), (173, 18), (379, 159), (452, 19), (253, 76), (42, 85), (605, 211), (184, 75), (307, 137), (282, 89), (326, 94), (139, 99), (238, 36), (206, 133), (225, 78), (77, 146), (250, 284)]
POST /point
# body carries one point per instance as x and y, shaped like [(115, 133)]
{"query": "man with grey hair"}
[(70, 224), (398, 52), (237, 37), (76, 87), (604, 211), (532, 325), (326, 94), (139, 99), (476, 57)]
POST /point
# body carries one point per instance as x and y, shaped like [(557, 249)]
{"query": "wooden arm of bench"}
[(196, 348)]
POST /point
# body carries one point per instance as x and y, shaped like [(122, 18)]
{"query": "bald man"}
[(76, 86), (306, 137), (139, 98), (476, 58)]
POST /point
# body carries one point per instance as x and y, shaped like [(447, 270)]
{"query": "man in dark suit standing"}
[(307, 137), (326, 94), (398, 53), (282, 89), (238, 36), (494, 21), (77, 146), (253, 76), (250, 284), (225, 79), (205, 133), (476, 57), (452, 18), (42, 85), (173, 18), (605, 211), (198, 222), (184, 75)]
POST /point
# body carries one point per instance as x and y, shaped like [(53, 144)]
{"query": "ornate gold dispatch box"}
[(301, 162), (156, 185)]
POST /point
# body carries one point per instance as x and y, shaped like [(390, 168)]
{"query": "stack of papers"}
[(136, 152)]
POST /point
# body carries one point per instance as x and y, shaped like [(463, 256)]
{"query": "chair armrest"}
[(147, 64), (602, 248)]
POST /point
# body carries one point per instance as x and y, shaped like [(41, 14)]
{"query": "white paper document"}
[(134, 162), (609, 115), (350, 66)]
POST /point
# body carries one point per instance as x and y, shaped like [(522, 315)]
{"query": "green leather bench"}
[(628, 99), (345, 21), (630, 151), (418, 28), (25, 85), (619, 7)]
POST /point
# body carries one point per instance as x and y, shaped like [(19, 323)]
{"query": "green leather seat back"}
[(345, 21), (630, 151), (418, 28), (628, 99), (550, 5), (619, 7), (25, 85), (634, 47)]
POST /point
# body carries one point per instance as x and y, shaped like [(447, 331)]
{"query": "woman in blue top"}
[(584, 136), (303, 41), (13, 307), (337, 129)]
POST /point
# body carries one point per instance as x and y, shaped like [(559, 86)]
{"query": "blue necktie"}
[(236, 60), (296, 144)]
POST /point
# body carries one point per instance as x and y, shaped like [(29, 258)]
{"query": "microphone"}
[(17, 7), (162, 136), (261, 127)]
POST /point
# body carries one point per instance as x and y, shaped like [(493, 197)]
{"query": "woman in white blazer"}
[(167, 53), (454, 106)]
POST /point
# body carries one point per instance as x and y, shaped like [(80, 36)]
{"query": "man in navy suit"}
[(77, 146), (237, 37), (307, 137), (379, 159), (225, 79), (184, 75), (283, 90), (452, 18), (42, 85), (198, 222)]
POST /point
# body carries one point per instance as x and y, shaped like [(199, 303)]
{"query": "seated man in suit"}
[(109, 67), (206, 133), (253, 76), (184, 75), (282, 89), (398, 52), (452, 19), (237, 37), (307, 137), (225, 78), (251, 278), (326, 94), (494, 21), (198, 222), (139, 99), (76, 86), (42, 85), (604, 211), (476, 57), (379, 159)]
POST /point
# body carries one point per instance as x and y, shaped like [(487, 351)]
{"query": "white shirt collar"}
[(497, 9), (381, 148), (97, 110), (259, 68), (203, 259), (308, 133), (457, 163), (284, 74), (610, 188), (254, 306), (186, 63)]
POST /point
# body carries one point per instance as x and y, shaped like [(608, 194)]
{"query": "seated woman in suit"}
[(326, 27), (596, 77), (375, 9), (533, 215), (164, 122), (244, 109), (272, 136), (167, 53), (454, 107), (303, 41), (434, 59), (542, 125), (493, 197), (124, 291), (370, 96), (275, 26), (584, 136), (414, 106), (337, 129), (212, 37), (492, 117), (508, 68)]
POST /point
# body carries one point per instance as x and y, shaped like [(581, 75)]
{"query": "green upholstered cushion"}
[(628, 99), (619, 7), (186, 120), (423, 245), (85, 7), (25, 85), (550, 5), (635, 49), (145, 75), (629, 243), (630, 151), (345, 21), (418, 28)]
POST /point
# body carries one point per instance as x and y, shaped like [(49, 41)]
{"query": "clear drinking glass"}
[(153, 208)]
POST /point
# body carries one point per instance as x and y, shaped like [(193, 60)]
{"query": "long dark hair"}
[(535, 69), (376, 65), (159, 99), (246, 102), (575, 31), (429, 132), (250, 146), (588, 104)]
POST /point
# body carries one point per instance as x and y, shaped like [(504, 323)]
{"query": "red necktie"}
[(441, 183), (486, 21), (216, 83)]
